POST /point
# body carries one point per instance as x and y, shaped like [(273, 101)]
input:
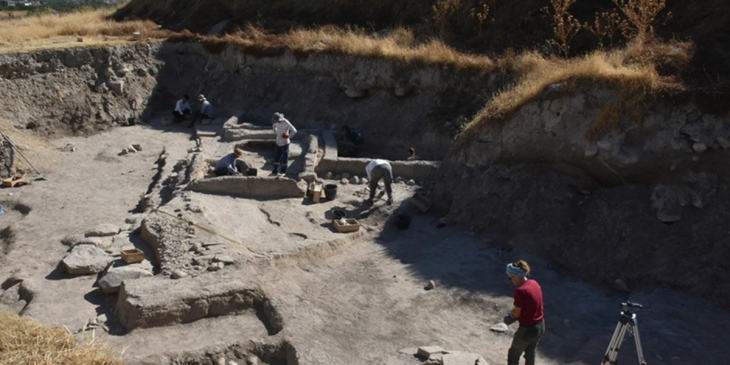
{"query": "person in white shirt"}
[(182, 109), (377, 170), (283, 130)]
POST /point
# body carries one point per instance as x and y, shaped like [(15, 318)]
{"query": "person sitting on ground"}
[(283, 130), (206, 110), (227, 165), (528, 310), (412, 154), (182, 109), (377, 170)]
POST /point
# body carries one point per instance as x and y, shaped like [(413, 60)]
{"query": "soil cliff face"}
[(82, 91), (609, 198)]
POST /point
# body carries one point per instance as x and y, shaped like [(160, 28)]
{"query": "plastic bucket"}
[(402, 221), (338, 213), (330, 191)]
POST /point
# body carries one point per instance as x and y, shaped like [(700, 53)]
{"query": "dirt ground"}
[(356, 300)]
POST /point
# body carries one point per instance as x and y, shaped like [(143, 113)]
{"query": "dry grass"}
[(633, 80), (25, 342), (16, 33), (399, 45)]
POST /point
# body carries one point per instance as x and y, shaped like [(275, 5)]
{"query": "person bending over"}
[(528, 311), (227, 164), (377, 170)]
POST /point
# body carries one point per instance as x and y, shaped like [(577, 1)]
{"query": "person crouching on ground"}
[(206, 110), (227, 164), (283, 130), (377, 170), (412, 154), (528, 310), (182, 109)]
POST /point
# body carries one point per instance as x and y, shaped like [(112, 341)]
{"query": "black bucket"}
[(330, 191), (339, 213), (252, 172), (402, 221)]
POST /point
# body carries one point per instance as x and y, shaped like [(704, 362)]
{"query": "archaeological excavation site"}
[(311, 182)]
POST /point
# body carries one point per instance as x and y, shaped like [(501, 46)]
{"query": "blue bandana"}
[(515, 271)]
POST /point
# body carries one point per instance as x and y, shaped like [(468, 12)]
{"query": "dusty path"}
[(359, 306)]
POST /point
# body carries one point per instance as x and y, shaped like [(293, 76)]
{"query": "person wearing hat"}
[(206, 109), (412, 154), (283, 130), (227, 164), (528, 311), (182, 108)]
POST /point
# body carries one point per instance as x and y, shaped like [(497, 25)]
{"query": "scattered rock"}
[(620, 285), (179, 274), (102, 230), (141, 72), (411, 182), (461, 358), (499, 328), (73, 239), (131, 220), (131, 149), (431, 285), (196, 247), (99, 242), (116, 85), (425, 352), (355, 180), (364, 180), (137, 147), (604, 145), (328, 175), (212, 243), (112, 280), (225, 259), (10, 300), (409, 351), (221, 361), (665, 217), (123, 152), (86, 260), (723, 142), (252, 360), (699, 147), (591, 150), (231, 362), (398, 180), (216, 266), (101, 319), (344, 181)]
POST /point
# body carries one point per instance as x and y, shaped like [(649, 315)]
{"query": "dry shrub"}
[(479, 17), (641, 15), (26, 342), (608, 120), (565, 26), (606, 25), (80, 23), (443, 11)]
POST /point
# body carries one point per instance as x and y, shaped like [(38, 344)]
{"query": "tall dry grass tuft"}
[(399, 45), (443, 11), (611, 69), (25, 342), (81, 23), (606, 25)]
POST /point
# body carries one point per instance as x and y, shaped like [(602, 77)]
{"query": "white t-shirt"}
[(181, 106), (369, 168)]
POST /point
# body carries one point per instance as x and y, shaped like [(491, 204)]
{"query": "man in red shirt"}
[(528, 310)]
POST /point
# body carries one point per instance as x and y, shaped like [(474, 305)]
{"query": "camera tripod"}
[(627, 323)]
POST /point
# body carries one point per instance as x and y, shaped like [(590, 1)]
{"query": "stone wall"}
[(7, 159), (250, 187)]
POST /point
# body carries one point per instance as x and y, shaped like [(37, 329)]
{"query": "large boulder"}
[(102, 230), (113, 278), (86, 260)]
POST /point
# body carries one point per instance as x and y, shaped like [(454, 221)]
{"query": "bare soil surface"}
[(343, 298)]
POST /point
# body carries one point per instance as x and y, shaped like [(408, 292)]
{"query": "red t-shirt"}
[(528, 296)]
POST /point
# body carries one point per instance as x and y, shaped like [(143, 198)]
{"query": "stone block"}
[(250, 187)]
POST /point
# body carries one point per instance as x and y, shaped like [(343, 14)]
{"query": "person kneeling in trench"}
[(283, 130), (228, 164), (377, 170), (528, 310)]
